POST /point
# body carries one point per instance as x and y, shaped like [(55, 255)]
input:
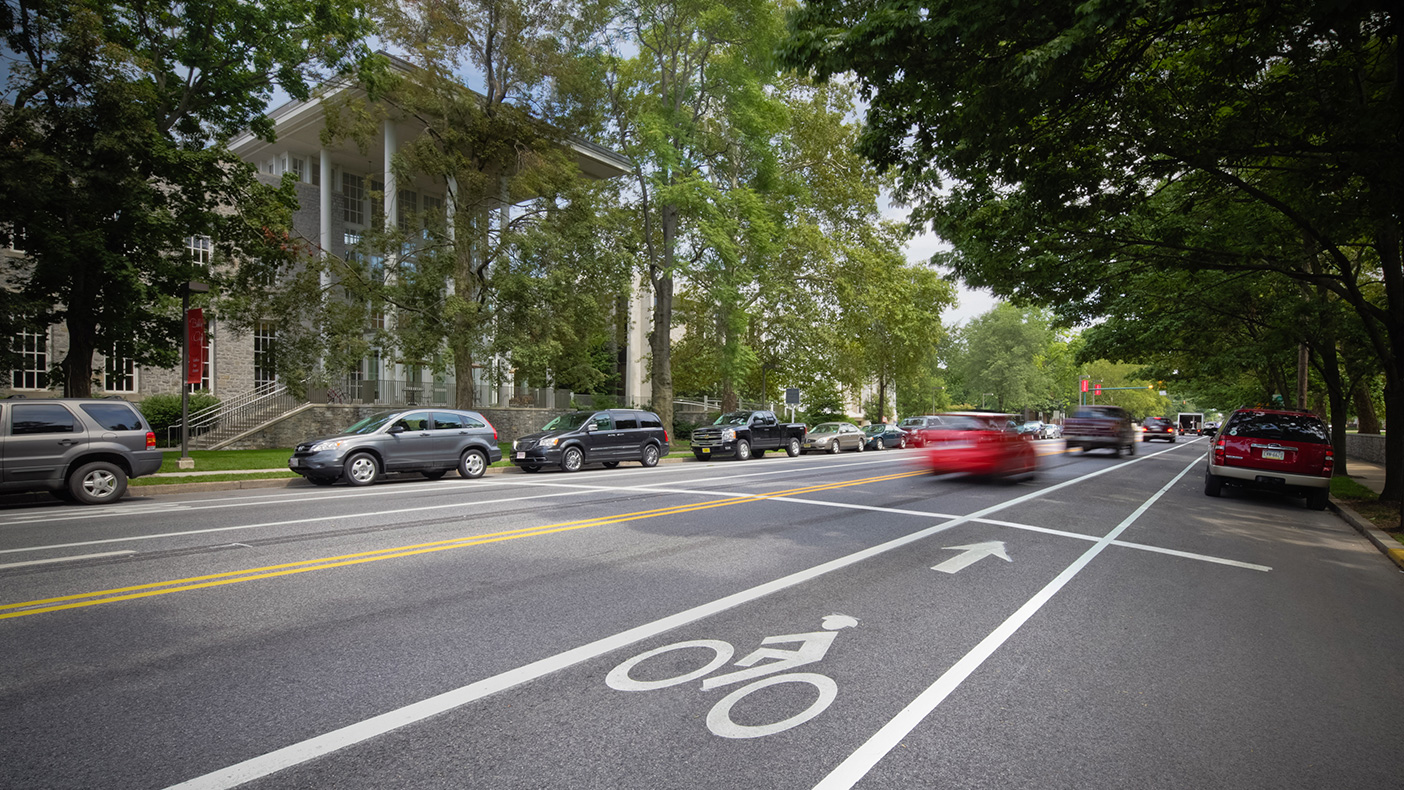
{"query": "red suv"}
[(1158, 428), (1287, 451)]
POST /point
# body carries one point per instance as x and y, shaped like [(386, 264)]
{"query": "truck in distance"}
[(1189, 422), (747, 434)]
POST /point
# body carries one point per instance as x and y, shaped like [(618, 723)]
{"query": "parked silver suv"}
[(78, 448), (429, 441)]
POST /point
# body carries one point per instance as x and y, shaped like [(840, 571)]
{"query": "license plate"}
[(293, 462), (521, 455), (1273, 455), (955, 445), (706, 450)]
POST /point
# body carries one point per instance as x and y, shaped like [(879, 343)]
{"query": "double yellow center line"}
[(133, 592)]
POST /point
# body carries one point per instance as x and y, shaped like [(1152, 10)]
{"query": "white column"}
[(324, 199), (451, 211), (392, 195), (636, 350)]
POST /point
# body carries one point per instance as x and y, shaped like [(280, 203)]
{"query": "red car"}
[(982, 444), (1276, 450)]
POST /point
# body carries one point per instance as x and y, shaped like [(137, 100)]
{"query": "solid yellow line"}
[(287, 569)]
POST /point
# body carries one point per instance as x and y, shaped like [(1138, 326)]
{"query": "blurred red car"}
[(982, 444)]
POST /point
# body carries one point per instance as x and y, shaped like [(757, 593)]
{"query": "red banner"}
[(195, 339)]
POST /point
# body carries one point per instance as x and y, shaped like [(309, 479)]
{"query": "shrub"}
[(163, 411)]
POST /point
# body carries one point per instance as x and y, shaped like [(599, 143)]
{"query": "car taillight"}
[(494, 430), (665, 436), (1144, 429), (1329, 463), (150, 440), (1219, 452)]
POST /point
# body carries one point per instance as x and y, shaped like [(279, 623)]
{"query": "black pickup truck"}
[(744, 434)]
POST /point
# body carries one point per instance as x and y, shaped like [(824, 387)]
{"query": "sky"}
[(971, 302)]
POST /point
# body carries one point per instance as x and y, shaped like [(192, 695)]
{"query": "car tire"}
[(610, 464), (793, 448), (650, 456), (862, 445), (572, 459), (361, 469), (1318, 498), (434, 474), (472, 464), (98, 483), (530, 468), (1131, 448), (834, 448), (902, 443), (743, 450), (878, 445), (1213, 486), (321, 480)]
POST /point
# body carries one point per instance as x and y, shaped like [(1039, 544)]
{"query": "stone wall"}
[(1366, 447), (330, 419)]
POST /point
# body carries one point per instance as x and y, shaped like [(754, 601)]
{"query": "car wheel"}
[(650, 456), (362, 469), (434, 474), (610, 464), (1131, 449), (862, 445), (530, 468), (572, 459), (902, 443), (1213, 486), (98, 483), (1317, 498), (834, 447), (320, 480), (793, 448), (472, 464), (878, 445), (743, 450)]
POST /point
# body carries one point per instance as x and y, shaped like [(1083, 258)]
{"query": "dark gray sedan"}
[(885, 435), (428, 441)]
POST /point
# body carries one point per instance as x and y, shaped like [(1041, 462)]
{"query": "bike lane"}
[(905, 618)]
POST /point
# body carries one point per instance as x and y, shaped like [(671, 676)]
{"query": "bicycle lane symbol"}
[(813, 646)]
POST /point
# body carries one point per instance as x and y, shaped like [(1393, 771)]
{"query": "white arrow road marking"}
[(973, 554)]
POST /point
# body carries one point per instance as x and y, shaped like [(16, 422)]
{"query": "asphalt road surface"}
[(814, 622)]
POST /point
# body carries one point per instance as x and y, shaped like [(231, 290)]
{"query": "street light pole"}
[(191, 287)]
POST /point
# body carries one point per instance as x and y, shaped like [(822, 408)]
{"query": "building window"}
[(353, 192), (119, 373), (265, 349), (200, 249), (299, 167), (33, 370), (406, 207), (12, 238)]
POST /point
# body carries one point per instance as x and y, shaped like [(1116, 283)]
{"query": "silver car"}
[(83, 450), (428, 441), (831, 437)]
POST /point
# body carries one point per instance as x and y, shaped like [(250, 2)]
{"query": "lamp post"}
[(186, 462)]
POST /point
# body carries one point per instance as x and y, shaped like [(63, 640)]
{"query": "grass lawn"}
[(1383, 514), (277, 458)]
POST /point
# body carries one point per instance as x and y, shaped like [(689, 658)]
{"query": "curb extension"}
[(1383, 541), (279, 482)]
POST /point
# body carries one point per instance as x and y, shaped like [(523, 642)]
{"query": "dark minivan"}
[(81, 449), (607, 436)]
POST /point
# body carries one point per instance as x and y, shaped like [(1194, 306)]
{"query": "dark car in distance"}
[(81, 449), (883, 435), (919, 428), (1101, 427), (1158, 428), (428, 441), (1274, 450), (605, 436)]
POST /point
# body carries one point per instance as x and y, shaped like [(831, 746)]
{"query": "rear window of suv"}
[(114, 416), (1281, 427)]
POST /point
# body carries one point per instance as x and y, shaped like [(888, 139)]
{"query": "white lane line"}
[(321, 745), (857, 765), (67, 559)]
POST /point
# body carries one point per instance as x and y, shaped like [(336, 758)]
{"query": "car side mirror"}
[(591, 427), (396, 428)]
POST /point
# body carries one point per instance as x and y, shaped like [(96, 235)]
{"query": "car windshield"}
[(828, 427), (734, 418), (372, 423), (875, 428), (962, 423), (912, 421), (1283, 427), (569, 422), (1085, 413)]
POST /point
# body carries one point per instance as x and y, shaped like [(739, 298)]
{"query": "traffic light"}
[(1084, 385), (1099, 389)]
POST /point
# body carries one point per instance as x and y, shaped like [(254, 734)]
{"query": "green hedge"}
[(163, 411)]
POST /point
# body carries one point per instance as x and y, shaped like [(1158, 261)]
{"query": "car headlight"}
[(729, 435), (321, 447), (548, 442)]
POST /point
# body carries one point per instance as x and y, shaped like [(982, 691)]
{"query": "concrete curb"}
[(1383, 541), (282, 482)]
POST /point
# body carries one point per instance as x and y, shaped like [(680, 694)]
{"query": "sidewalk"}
[(1372, 476)]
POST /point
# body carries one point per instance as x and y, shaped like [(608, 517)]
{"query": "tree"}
[(114, 122), (1111, 124), (1000, 354)]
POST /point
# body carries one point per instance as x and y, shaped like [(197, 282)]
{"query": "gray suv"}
[(428, 441), (81, 449)]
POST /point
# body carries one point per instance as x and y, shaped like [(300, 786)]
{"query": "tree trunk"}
[(77, 365), (465, 393), (1365, 408), (660, 340), (1335, 391)]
